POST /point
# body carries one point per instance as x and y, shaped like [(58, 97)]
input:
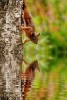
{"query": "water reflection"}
[(28, 76), (50, 84), (41, 84)]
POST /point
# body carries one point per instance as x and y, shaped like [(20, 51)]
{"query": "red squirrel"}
[(29, 28), (28, 76)]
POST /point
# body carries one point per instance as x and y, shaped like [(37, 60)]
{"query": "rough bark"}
[(10, 51)]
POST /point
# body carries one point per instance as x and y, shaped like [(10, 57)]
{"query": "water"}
[(50, 82)]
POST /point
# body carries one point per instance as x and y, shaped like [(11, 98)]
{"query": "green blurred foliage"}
[(50, 18)]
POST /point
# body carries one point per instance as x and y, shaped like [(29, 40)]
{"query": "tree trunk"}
[(10, 50)]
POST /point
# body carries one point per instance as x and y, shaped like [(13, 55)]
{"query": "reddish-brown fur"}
[(30, 27), (29, 76)]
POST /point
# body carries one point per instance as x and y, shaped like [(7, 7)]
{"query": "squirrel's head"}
[(34, 66), (34, 37)]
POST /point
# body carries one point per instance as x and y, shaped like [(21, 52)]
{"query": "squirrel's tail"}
[(24, 4)]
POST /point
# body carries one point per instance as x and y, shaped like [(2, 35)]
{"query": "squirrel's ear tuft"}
[(38, 34), (32, 34)]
